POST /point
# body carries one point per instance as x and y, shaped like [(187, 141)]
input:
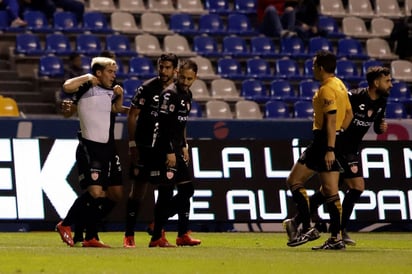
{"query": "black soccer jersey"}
[(147, 100), (174, 109), (365, 113)]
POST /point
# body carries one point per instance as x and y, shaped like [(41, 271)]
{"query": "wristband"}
[(330, 149), (132, 144)]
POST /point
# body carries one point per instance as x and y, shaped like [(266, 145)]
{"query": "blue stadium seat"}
[(206, 46), (282, 90), (235, 46), (395, 110), (196, 110), (58, 44), (400, 92), (51, 66), (370, 63), (96, 22), (141, 67), (28, 44), (130, 86), (263, 46), (307, 89), (217, 6), (308, 68), (245, 6), (211, 24), (276, 109), (182, 23), (347, 70), (293, 47), (259, 68), (86, 62), (239, 24), (288, 68), (330, 26), (230, 68), (303, 110), (254, 90), (363, 84), (120, 45), (120, 73), (319, 43), (66, 21), (37, 21), (5, 23), (88, 44), (350, 48)]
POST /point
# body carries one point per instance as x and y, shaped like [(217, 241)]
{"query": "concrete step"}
[(37, 108), (26, 96), (17, 85), (7, 75)]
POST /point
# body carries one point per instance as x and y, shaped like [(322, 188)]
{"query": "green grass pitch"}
[(43, 252)]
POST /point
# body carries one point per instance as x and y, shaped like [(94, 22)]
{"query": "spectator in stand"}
[(276, 17), (306, 19), (13, 9), (401, 38), (49, 7), (74, 68)]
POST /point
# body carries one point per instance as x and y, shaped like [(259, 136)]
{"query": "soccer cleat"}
[(65, 233), (95, 243), (187, 240), (291, 229), (346, 239), (331, 244), (161, 242), (128, 242), (302, 238)]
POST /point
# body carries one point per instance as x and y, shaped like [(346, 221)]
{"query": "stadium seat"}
[(350, 48), (282, 90), (51, 66), (293, 47), (379, 48), (88, 44), (206, 70), (178, 44), (211, 24), (381, 27), (194, 7), (66, 21), (121, 73), (264, 47), (254, 90), (183, 24), (124, 22), (245, 6), (247, 110), (148, 45), (106, 6), (154, 23), (259, 68), (120, 45), (363, 84), (395, 110), (28, 44), (206, 46), (329, 26), (161, 6), (347, 70), (408, 7), (230, 68), (308, 68), (360, 8), (355, 27), (86, 63), (96, 22), (370, 63), (8, 107), (332, 8), (5, 23), (235, 46), (196, 110), (58, 44), (319, 43), (276, 110), (303, 110), (36, 21), (141, 67), (224, 89), (200, 91), (401, 70), (307, 89), (216, 109), (217, 6), (130, 86), (400, 92), (288, 69), (239, 24), (132, 6), (388, 8)]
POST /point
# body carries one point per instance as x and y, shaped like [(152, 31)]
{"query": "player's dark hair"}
[(108, 54), (326, 60), (169, 57), (188, 64), (376, 72)]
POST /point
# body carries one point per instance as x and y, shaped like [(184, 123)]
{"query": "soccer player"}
[(141, 122), (169, 165), (97, 101), (368, 105), (332, 111)]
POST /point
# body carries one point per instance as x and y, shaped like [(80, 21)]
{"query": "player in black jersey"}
[(169, 163), (141, 121), (368, 106), (97, 101)]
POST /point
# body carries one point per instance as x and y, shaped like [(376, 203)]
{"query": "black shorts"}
[(115, 169), (314, 155), (145, 156), (350, 165)]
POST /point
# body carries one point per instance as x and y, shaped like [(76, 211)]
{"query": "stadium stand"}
[(276, 110), (161, 6), (230, 68), (132, 6), (361, 8), (254, 90), (148, 45), (216, 109), (303, 110), (247, 110), (124, 22), (178, 44), (224, 89)]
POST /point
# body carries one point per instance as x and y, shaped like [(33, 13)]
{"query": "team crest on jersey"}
[(327, 102), (141, 101), (170, 174), (188, 107), (94, 175), (171, 107), (354, 168), (370, 112)]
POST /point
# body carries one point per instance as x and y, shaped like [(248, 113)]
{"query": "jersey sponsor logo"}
[(172, 107), (328, 102)]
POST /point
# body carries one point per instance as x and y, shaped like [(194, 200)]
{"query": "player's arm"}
[(167, 108), (131, 129), (379, 124), (117, 106), (69, 108), (330, 124), (72, 85), (185, 149)]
